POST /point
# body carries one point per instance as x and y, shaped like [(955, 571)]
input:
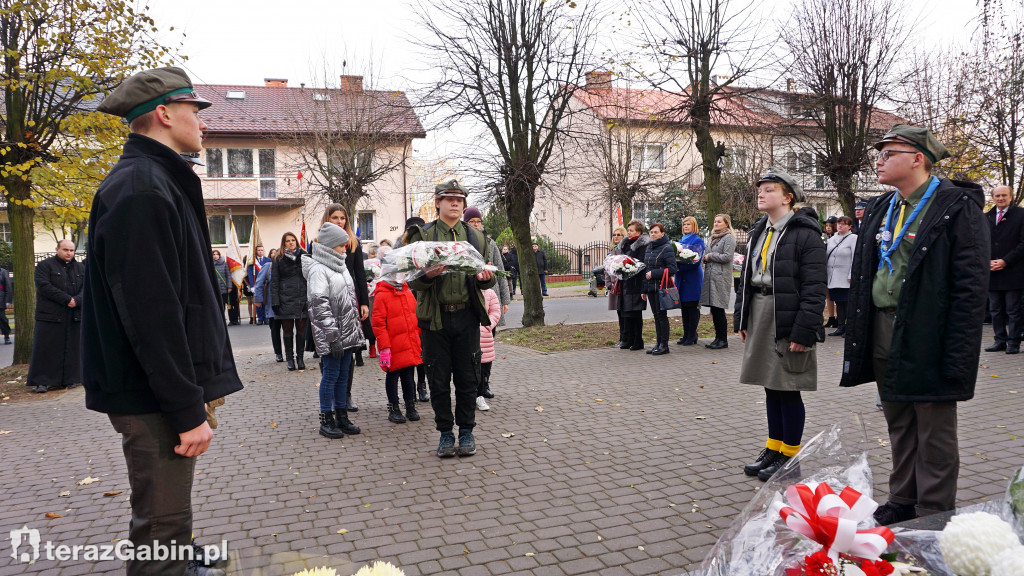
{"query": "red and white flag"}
[(234, 256), (618, 215)]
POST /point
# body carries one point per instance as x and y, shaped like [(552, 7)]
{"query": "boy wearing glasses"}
[(918, 291)]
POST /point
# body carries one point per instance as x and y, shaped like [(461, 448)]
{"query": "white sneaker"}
[(481, 403)]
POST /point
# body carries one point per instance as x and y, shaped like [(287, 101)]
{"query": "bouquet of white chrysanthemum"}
[(684, 255), (971, 543), (372, 268), (414, 260), (323, 571), (622, 267), (380, 569)]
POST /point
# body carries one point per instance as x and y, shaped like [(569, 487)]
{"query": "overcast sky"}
[(245, 41)]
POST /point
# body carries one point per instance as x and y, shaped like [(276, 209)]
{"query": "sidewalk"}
[(593, 462)]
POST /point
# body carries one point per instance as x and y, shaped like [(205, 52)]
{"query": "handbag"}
[(668, 294)]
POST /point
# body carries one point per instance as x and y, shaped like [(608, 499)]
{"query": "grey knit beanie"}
[(332, 235)]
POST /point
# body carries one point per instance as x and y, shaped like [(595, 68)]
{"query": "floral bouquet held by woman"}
[(622, 267), (684, 255), (414, 260)]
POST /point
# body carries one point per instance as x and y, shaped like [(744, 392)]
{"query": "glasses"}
[(616, 234), (476, 221), (884, 155)]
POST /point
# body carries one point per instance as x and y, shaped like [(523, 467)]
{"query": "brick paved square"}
[(578, 487)]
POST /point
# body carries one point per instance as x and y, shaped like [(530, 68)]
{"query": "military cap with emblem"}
[(144, 91), (451, 188), (920, 138), (861, 204), (779, 175)]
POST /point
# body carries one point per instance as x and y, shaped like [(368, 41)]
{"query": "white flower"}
[(324, 571), (1009, 562), (380, 569), (970, 542), (904, 569)]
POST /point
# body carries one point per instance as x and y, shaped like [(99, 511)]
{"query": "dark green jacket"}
[(428, 308)]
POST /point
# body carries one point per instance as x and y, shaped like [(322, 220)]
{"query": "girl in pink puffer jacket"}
[(487, 349)]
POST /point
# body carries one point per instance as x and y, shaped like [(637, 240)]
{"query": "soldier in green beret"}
[(918, 291), (155, 350), (450, 309)]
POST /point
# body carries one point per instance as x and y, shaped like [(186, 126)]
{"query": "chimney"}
[(351, 83), (790, 85), (283, 82), (599, 80)]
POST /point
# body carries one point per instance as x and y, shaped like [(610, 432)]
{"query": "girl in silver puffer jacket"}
[(334, 315)]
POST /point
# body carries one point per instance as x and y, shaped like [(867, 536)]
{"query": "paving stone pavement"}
[(615, 463)]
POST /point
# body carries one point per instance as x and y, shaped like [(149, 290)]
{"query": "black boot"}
[(637, 331), (410, 409), (359, 357), (299, 364), (661, 348), (421, 388), (351, 407), (832, 323), (764, 459), (694, 316), (278, 358), (717, 344), (770, 470), (346, 425), (395, 414), (328, 427), (288, 358)]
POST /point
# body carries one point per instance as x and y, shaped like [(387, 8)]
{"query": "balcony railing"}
[(255, 188)]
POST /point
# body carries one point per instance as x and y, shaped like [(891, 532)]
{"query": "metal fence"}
[(569, 259)]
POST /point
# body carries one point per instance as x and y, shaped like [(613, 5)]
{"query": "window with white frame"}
[(735, 160), (218, 228), (240, 162), (647, 158), (647, 212), (366, 225), (5, 232), (268, 174)]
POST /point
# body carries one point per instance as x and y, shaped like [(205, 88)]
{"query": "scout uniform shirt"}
[(453, 289), (764, 279), (886, 287)]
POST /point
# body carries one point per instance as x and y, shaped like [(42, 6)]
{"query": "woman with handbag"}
[(614, 287), (718, 278), (780, 304), (660, 261), (689, 281), (839, 256)]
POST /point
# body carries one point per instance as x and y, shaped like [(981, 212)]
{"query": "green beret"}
[(920, 138), (779, 175), (144, 91), (450, 188)]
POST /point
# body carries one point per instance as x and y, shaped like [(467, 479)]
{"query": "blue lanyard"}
[(885, 254)]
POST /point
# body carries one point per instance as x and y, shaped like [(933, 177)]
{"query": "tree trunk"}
[(712, 173), (23, 240), (845, 191), (529, 279)]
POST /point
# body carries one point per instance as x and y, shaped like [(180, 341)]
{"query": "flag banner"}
[(234, 255), (618, 215), (302, 238), (254, 241)]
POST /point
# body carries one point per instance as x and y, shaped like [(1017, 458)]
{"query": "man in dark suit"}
[(1006, 276), (56, 343)]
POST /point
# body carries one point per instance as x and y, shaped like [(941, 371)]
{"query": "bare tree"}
[(347, 137), (512, 67), (704, 50), (846, 52)]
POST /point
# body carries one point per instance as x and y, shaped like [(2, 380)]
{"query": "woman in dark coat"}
[(631, 302), (718, 278), (288, 298), (783, 296), (337, 214), (689, 280), (660, 260)]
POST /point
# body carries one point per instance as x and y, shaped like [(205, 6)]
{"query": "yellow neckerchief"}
[(764, 248)]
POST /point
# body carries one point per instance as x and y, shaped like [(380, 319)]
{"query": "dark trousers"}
[(275, 334), (691, 319), (294, 332), (485, 377), (233, 312), (5, 325), (721, 323), (922, 437), (261, 313), (513, 278), (453, 354), (408, 377), (1007, 321), (622, 327), (544, 284), (633, 323), (660, 317), (161, 483)]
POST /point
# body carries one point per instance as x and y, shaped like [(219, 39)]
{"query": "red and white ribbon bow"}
[(831, 520)]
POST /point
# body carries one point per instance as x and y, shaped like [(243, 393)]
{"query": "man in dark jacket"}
[(55, 347), (1006, 271), (6, 297), (542, 267), (155, 346), (918, 293)]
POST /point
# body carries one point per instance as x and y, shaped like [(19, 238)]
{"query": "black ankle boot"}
[(395, 414), (346, 425), (832, 322), (661, 348), (278, 358), (764, 459), (299, 364), (410, 409), (328, 428), (288, 356), (770, 470), (421, 388)]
